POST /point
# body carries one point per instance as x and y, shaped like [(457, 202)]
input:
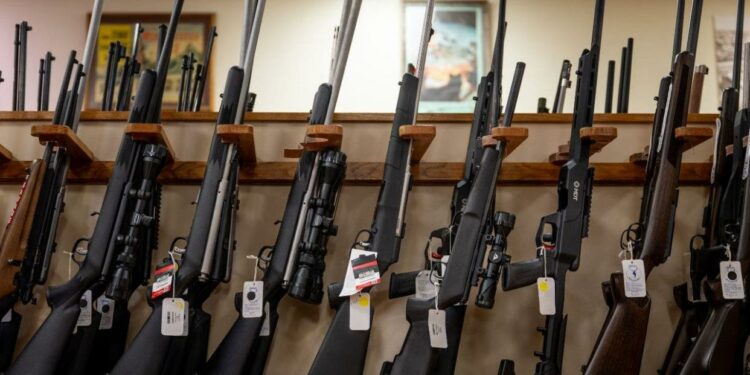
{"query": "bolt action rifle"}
[(619, 347), (128, 214), (388, 227), (721, 218), (560, 234), (206, 260), (296, 261)]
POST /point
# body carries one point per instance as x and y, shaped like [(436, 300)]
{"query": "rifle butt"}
[(340, 339), (237, 344), (262, 348), (416, 357), (693, 315), (187, 354), (148, 352)]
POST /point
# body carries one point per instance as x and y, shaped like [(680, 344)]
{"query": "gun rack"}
[(5, 155), (599, 137), (318, 138), (421, 135), (692, 136), (151, 133), (730, 148), (640, 158), (243, 137), (513, 138), (63, 136)]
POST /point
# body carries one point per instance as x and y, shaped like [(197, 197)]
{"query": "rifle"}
[(297, 258), (384, 237), (128, 213), (610, 86), (206, 259), (560, 234), (696, 93), (416, 355), (19, 66), (619, 347), (564, 84), (183, 83), (201, 73), (131, 69), (115, 54)]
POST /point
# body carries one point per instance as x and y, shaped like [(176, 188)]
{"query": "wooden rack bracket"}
[(151, 133), (64, 136), (421, 135), (730, 148), (598, 136), (513, 138), (243, 137), (640, 158), (5, 155), (317, 138), (692, 136)]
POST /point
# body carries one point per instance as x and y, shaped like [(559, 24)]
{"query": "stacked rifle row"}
[(87, 328), (20, 47)]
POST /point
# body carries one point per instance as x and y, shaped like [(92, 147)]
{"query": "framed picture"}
[(455, 57), (724, 29), (192, 34)]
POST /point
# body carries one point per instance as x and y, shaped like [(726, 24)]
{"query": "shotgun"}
[(560, 234), (126, 216), (295, 263), (619, 347)]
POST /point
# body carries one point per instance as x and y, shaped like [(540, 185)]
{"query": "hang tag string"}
[(174, 274), (255, 269), (544, 259)]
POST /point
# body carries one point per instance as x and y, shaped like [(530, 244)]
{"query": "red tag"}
[(163, 282)]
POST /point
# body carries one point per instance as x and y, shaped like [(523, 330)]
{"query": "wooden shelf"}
[(599, 137), (318, 138), (730, 148), (640, 158), (151, 133), (513, 138), (692, 136), (65, 137), (5, 155), (371, 173), (243, 137), (421, 137), (430, 118)]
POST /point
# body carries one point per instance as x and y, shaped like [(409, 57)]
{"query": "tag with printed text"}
[(163, 281), (359, 312), (634, 274), (252, 299), (731, 280), (84, 318), (545, 287), (361, 273), (438, 334), (106, 307), (174, 317)]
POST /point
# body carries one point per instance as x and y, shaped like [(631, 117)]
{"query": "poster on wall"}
[(455, 57), (191, 37), (724, 30)]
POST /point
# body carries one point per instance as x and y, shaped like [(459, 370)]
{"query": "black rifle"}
[(127, 215), (130, 70), (48, 59), (183, 83), (297, 258), (161, 33), (115, 54), (610, 87), (569, 225), (201, 73), (562, 86), (40, 89), (207, 259), (627, 68), (619, 347), (19, 66)]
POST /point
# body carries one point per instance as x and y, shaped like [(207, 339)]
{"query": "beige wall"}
[(293, 53), (505, 332)]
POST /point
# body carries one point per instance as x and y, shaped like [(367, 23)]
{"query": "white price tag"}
[(545, 287), (359, 312), (438, 334), (174, 317), (731, 280), (7, 317), (106, 307), (84, 318), (252, 299), (425, 287), (634, 274), (361, 272), (265, 329)]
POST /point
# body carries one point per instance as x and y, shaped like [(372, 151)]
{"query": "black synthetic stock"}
[(340, 339), (416, 357), (402, 284)]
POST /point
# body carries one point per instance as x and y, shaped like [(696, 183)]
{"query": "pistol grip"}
[(521, 274), (402, 284)]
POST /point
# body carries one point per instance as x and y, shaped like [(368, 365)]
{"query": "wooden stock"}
[(696, 92), (15, 238), (619, 348)]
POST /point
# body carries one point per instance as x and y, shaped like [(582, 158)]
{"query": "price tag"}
[(106, 307), (425, 285), (7, 317), (84, 318), (731, 280), (359, 312), (545, 287), (438, 335), (265, 329), (174, 317), (361, 273), (252, 299), (163, 282), (634, 274)]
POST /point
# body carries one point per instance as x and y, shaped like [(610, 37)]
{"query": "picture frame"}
[(192, 34)]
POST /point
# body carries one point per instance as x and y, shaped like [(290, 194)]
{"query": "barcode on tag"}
[(731, 280), (84, 317), (545, 287), (634, 275), (438, 334), (359, 312), (106, 307), (252, 299), (174, 317)]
